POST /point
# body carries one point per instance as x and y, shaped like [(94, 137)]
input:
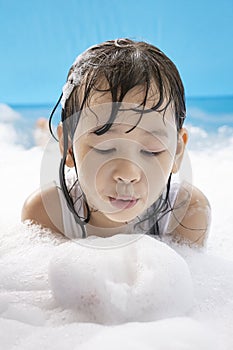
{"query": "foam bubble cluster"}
[(142, 281)]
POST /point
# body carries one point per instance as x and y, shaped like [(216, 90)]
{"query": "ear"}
[(181, 143), (69, 157)]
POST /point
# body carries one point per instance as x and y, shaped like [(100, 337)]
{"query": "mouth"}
[(123, 202)]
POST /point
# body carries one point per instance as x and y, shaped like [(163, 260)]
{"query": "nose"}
[(126, 172)]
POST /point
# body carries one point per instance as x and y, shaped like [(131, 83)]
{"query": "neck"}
[(101, 226)]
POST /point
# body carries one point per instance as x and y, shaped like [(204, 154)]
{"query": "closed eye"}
[(104, 151), (149, 153)]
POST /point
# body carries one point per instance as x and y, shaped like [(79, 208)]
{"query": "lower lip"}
[(120, 204)]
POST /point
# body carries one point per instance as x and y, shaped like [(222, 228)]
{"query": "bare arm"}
[(43, 208), (190, 222)]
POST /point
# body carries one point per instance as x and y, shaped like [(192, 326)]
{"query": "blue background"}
[(39, 40)]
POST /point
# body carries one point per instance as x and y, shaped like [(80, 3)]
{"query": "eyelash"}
[(106, 151)]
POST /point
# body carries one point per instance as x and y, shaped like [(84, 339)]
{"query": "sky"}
[(39, 41)]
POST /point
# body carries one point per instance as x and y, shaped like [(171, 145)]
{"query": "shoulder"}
[(191, 215), (197, 197), (43, 207)]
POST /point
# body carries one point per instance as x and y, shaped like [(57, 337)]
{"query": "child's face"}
[(122, 174)]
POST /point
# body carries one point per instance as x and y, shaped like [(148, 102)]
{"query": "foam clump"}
[(114, 280)]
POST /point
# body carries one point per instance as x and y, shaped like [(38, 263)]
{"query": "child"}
[(121, 138)]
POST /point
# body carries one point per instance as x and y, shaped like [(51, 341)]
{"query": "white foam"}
[(169, 334), (8, 135), (141, 281), (7, 114)]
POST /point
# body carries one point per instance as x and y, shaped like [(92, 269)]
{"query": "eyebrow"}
[(157, 132)]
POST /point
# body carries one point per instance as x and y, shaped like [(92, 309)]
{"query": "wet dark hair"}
[(123, 64)]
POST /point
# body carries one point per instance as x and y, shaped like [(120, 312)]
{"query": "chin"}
[(122, 217)]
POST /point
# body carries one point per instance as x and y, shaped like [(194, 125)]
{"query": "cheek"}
[(157, 174), (166, 161), (88, 165)]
